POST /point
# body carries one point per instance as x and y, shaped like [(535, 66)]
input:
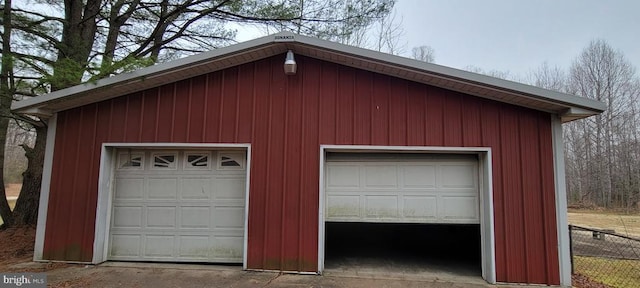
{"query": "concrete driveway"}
[(118, 274)]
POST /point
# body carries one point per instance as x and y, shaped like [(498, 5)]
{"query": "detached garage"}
[(223, 157)]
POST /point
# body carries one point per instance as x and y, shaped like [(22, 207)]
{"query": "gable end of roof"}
[(568, 107)]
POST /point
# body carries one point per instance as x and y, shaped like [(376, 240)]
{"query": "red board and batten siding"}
[(286, 119)]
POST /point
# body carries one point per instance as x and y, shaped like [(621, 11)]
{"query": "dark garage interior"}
[(404, 248)]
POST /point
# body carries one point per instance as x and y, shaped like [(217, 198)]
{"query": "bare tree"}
[(603, 146), (386, 35), (424, 53), (553, 78), (389, 35), (602, 152)]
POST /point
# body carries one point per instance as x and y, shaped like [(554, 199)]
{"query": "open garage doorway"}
[(400, 211), (397, 249)]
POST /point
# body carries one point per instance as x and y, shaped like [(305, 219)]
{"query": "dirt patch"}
[(581, 281), (13, 189), (625, 224), (16, 246)]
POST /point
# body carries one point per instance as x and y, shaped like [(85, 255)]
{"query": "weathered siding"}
[(286, 119)]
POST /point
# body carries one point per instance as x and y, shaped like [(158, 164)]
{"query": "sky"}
[(516, 36)]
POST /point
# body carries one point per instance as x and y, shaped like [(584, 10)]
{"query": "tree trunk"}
[(6, 96), (162, 28), (5, 210), (26, 210), (78, 35), (115, 21)]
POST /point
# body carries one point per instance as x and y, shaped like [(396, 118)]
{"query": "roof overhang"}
[(568, 107)]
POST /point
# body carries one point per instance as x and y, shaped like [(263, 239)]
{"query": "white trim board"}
[(246, 209), (562, 224), (487, 236), (177, 145), (105, 189), (45, 187)]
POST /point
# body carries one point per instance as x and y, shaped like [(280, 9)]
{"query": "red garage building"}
[(222, 157)]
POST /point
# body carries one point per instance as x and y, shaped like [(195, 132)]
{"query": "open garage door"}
[(178, 206), (402, 188)]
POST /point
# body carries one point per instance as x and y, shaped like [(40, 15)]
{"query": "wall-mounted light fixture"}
[(290, 64)]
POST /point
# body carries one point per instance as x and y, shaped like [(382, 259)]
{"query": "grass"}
[(612, 272), (12, 203), (625, 224)]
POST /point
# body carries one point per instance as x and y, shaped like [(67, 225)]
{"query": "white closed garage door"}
[(402, 188), (178, 206)]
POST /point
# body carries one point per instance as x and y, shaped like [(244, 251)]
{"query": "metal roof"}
[(569, 107)]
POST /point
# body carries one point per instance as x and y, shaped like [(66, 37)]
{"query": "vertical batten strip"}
[(406, 114), (88, 233), (54, 214), (253, 102), (173, 111), (522, 191), (74, 186), (110, 118), (283, 203), (206, 110), (543, 200), (268, 172), (301, 190), (143, 96), (189, 109), (354, 107), (425, 131), (237, 95), (126, 119), (223, 76), (336, 125), (501, 192), (157, 119)]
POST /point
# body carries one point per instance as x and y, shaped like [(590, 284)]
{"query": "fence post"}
[(571, 247)]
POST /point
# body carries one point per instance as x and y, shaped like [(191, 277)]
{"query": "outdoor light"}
[(290, 64)]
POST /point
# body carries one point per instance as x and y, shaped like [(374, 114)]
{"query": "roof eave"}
[(576, 113), (144, 74), (568, 107), (562, 101), (461, 76)]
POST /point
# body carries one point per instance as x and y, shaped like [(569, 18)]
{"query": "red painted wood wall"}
[(286, 119)]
